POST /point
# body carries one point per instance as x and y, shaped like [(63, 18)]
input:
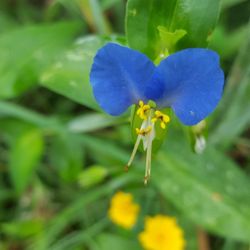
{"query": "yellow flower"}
[(123, 211), (162, 233)]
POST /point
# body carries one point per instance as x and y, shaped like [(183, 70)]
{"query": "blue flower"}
[(189, 81)]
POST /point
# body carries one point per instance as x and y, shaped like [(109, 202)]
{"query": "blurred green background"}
[(62, 159)]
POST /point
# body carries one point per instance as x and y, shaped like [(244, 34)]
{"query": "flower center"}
[(146, 133)]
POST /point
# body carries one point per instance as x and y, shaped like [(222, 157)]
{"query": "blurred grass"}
[(61, 160)]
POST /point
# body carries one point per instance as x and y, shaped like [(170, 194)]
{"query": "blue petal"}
[(119, 76), (191, 82)]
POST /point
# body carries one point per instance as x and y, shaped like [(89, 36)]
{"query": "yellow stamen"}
[(164, 119), (154, 120), (146, 134), (143, 131), (163, 125), (142, 110)]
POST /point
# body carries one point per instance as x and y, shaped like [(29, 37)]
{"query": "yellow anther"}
[(164, 119), (154, 120), (143, 131), (163, 125), (142, 110), (141, 103)]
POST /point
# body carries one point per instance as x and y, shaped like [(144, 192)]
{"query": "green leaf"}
[(74, 212), (168, 42), (93, 121), (69, 214), (208, 189), (111, 241), (69, 76), (6, 22), (197, 18), (25, 155), (23, 229), (11, 110), (94, 16), (81, 124), (169, 39), (107, 4), (76, 239), (227, 44), (230, 3), (67, 156), (232, 115), (104, 152), (25, 52), (92, 176)]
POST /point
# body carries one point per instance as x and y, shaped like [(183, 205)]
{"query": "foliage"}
[(62, 159)]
